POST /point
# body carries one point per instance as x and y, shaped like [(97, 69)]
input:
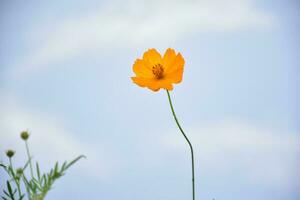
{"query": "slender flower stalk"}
[(188, 141), (10, 163), (17, 182), (25, 136), (29, 158)]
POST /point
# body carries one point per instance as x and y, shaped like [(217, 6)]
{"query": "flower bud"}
[(19, 171), (10, 153), (24, 135)]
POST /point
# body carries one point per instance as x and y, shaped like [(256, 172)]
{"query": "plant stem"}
[(10, 162), (26, 186), (15, 178), (188, 141), (29, 157)]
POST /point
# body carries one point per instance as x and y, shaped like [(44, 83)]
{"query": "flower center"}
[(158, 71)]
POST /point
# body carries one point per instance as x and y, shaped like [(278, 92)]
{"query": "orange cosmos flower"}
[(155, 72)]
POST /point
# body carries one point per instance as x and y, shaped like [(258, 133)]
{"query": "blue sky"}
[(65, 71)]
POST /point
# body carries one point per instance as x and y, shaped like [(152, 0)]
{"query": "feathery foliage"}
[(38, 185)]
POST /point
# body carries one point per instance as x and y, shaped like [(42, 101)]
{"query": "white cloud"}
[(50, 141), (136, 23), (256, 155)]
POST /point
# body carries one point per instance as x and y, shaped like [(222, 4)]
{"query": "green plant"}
[(39, 184)]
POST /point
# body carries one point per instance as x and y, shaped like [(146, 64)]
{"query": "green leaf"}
[(55, 167), (10, 191), (2, 165), (74, 161), (4, 198), (63, 166), (38, 171), (6, 193), (21, 197)]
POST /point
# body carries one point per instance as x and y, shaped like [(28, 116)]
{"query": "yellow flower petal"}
[(141, 69), (143, 82), (177, 63), (152, 56), (166, 84), (168, 58), (175, 76)]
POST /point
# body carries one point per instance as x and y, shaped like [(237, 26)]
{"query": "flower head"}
[(156, 72), (24, 135), (10, 153), (20, 171)]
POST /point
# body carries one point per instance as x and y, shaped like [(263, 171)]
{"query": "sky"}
[(65, 69)]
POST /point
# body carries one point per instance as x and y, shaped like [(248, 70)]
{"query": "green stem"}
[(188, 141), (26, 186), (29, 157), (10, 162), (15, 178)]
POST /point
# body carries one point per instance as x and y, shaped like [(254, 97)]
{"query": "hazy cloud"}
[(259, 155), (50, 140), (135, 23)]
